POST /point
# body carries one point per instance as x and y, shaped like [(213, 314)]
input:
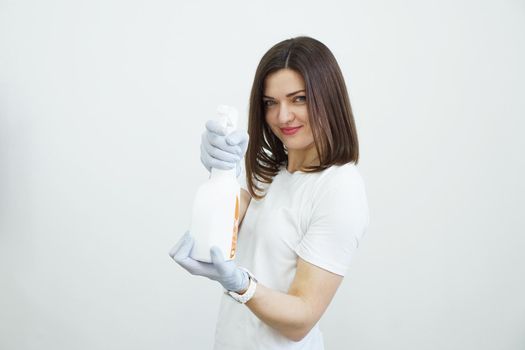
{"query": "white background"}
[(102, 104)]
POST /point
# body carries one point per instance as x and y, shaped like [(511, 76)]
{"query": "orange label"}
[(235, 228)]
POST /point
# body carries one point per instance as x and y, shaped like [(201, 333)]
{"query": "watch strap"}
[(252, 286)]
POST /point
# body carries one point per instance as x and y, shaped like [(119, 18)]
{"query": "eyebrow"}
[(288, 95)]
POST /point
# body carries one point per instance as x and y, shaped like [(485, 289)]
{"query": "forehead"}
[(282, 82)]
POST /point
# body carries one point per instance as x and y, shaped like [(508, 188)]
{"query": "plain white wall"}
[(102, 104)]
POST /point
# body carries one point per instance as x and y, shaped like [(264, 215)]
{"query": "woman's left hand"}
[(226, 273)]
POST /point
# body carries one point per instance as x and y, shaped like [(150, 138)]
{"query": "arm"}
[(338, 222), (293, 314)]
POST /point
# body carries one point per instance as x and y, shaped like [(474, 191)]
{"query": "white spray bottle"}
[(215, 218)]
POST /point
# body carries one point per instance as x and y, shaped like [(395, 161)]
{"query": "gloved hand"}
[(226, 273), (220, 151)]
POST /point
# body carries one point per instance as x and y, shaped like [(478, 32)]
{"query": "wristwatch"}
[(243, 298)]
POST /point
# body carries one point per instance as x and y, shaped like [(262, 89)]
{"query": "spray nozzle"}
[(228, 117)]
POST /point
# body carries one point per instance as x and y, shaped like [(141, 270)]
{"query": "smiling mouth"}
[(290, 131)]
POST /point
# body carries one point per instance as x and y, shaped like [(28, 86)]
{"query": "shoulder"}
[(341, 189), (341, 178)]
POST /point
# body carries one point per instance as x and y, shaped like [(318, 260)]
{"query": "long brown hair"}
[(329, 111)]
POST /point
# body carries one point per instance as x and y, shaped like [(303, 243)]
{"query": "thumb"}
[(217, 258), (215, 127), (237, 137)]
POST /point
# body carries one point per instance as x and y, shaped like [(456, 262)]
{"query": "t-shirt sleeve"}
[(338, 221)]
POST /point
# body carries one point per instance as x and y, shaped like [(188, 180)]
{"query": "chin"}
[(296, 146)]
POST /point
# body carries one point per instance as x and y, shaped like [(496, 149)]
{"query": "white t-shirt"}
[(320, 217)]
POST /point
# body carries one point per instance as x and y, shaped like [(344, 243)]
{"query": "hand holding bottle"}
[(220, 150), (225, 272)]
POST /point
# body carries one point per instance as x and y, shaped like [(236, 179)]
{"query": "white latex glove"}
[(220, 151), (226, 273)]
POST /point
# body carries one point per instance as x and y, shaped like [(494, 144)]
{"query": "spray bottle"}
[(215, 218)]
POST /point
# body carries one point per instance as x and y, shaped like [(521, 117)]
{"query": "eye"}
[(268, 103), (299, 99)]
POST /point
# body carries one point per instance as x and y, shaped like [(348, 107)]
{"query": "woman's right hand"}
[(220, 151)]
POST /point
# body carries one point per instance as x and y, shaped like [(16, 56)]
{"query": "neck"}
[(301, 159)]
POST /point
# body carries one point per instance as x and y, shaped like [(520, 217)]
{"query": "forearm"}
[(290, 315)]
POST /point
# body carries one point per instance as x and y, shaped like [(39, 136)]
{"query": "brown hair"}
[(329, 111)]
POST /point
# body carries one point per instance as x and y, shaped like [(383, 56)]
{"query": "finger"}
[(240, 139), (199, 268), (217, 153), (237, 137), (203, 161), (179, 243), (184, 250), (216, 255), (216, 127), (219, 141), (217, 259), (244, 145), (215, 163)]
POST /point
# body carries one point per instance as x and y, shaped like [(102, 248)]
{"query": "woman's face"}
[(286, 111)]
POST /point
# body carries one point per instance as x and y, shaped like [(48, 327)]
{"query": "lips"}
[(290, 131)]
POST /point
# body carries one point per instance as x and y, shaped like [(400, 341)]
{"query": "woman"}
[(304, 207)]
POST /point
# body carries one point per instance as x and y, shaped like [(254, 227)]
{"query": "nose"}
[(285, 114)]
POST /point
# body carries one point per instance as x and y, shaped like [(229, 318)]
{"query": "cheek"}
[(268, 118), (309, 136), (269, 115), (270, 126), (270, 121)]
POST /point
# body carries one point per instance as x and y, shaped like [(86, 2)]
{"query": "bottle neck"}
[(217, 173)]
